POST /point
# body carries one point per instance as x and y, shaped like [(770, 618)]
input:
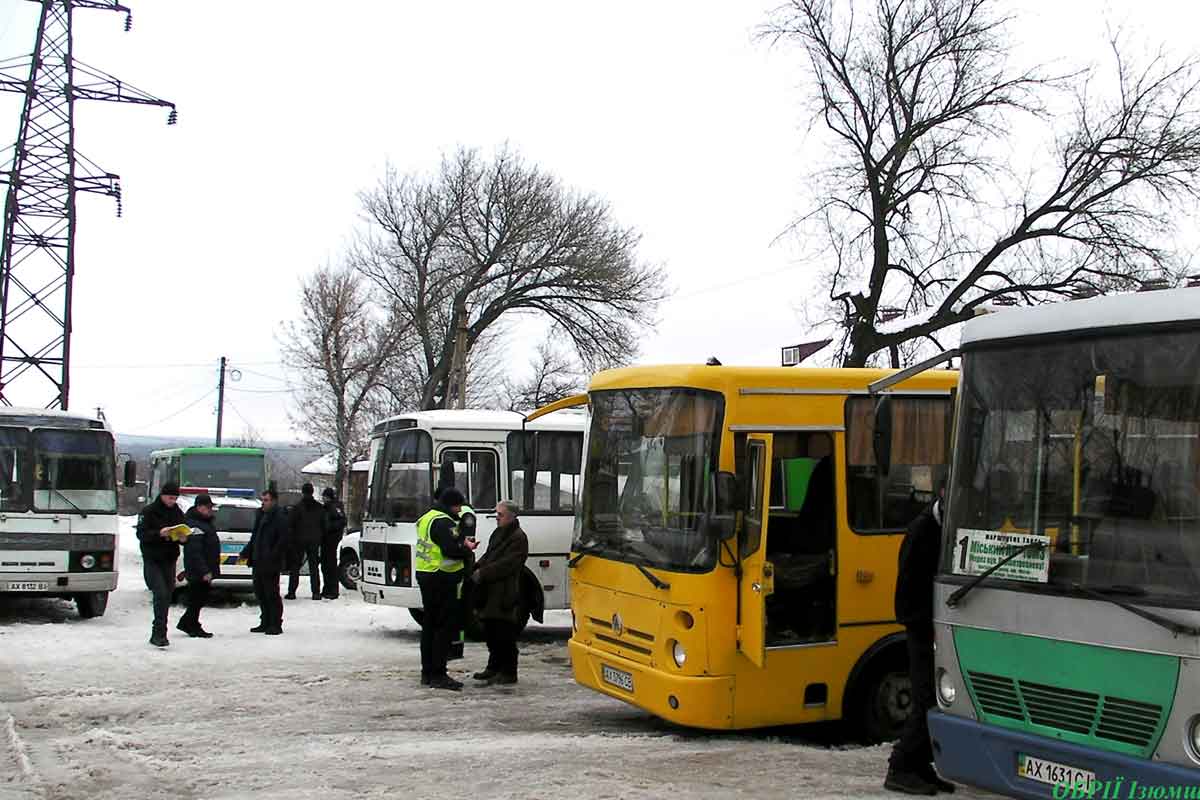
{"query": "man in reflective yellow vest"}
[(439, 567)]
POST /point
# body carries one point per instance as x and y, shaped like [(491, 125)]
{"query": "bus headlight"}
[(679, 654), (1193, 738), (947, 691), (88, 561)]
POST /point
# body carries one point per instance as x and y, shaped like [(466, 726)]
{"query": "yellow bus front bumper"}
[(694, 701)]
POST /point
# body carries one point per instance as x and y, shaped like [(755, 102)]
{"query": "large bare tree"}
[(484, 240), (922, 208), (338, 352)]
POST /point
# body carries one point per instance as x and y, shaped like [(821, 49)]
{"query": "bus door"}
[(474, 471), (757, 574)]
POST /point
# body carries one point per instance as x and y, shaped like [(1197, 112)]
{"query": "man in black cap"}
[(201, 563), (307, 522), (266, 553), (159, 555), (333, 528), (439, 561)]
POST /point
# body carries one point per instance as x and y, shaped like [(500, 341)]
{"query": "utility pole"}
[(456, 384), (37, 255), (220, 400)]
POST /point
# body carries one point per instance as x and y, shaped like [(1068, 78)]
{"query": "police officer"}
[(439, 567)]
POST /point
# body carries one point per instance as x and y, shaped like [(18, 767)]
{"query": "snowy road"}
[(332, 709)]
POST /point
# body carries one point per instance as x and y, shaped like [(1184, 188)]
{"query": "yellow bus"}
[(734, 556)]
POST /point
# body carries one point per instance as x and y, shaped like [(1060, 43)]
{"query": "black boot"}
[(908, 782), (159, 639), (931, 776)]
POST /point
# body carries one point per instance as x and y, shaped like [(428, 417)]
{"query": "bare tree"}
[(922, 212), (555, 376), (338, 351), (482, 241)]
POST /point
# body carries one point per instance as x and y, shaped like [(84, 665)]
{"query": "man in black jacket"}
[(306, 520), (334, 525), (159, 554), (910, 768), (439, 566), (201, 563), (266, 553)]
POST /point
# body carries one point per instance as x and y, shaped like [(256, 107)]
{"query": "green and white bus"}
[(58, 507), (1067, 608), (234, 477)]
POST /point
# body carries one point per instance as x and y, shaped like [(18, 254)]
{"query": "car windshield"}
[(225, 471), (651, 457), (73, 471), (234, 519), (1090, 447), (402, 476)]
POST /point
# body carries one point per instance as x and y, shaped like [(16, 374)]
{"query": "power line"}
[(258, 391), (188, 407)]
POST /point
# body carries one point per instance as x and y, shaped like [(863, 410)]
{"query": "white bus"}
[(58, 507), (489, 456)]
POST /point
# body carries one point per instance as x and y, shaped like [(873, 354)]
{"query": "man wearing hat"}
[(201, 563), (307, 522), (439, 568), (333, 528), (159, 555)]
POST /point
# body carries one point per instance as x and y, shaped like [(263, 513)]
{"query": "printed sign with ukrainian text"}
[(976, 552)]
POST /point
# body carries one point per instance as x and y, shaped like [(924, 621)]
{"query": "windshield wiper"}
[(583, 551), (962, 592), (82, 513), (654, 579), (1106, 593)]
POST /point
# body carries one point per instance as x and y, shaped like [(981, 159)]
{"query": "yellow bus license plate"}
[(616, 677)]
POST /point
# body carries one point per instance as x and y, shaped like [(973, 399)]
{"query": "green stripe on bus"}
[(1115, 700)]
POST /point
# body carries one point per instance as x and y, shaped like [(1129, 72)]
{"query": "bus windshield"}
[(402, 477), (648, 481), (224, 471), (73, 471), (1094, 444)]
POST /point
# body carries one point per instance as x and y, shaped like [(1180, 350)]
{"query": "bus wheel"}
[(91, 604), (885, 698), (349, 570)]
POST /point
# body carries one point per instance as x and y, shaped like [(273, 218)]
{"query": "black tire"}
[(883, 699), (91, 604), (349, 570)]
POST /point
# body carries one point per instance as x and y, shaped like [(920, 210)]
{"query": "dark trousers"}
[(913, 751), (160, 580), (329, 564), (197, 595), (501, 638), (270, 604), (439, 596), (312, 554)]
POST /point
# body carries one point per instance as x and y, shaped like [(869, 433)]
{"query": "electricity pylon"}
[(37, 260)]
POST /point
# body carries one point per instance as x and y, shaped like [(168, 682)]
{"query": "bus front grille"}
[(1059, 708), (628, 642)]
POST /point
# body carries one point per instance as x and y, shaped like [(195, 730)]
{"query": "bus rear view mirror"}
[(130, 473), (882, 436)]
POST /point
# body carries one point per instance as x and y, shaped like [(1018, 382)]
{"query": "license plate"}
[(369, 596), (616, 677), (27, 586), (1053, 773)]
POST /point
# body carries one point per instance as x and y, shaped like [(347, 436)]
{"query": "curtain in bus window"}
[(483, 480), (74, 471), (920, 431), (14, 443)]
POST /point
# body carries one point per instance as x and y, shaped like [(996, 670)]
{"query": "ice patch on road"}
[(17, 747)]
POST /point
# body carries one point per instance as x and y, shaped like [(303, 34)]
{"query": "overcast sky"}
[(671, 110)]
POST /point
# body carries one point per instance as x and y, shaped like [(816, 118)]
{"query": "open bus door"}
[(757, 575)]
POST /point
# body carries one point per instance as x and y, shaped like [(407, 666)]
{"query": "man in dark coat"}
[(201, 563), (498, 591), (333, 526), (306, 520), (266, 553), (159, 555), (910, 768)]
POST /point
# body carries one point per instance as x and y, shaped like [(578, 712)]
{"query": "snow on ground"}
[(333, 709)]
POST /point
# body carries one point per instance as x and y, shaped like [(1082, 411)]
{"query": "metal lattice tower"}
[(37, 258)]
